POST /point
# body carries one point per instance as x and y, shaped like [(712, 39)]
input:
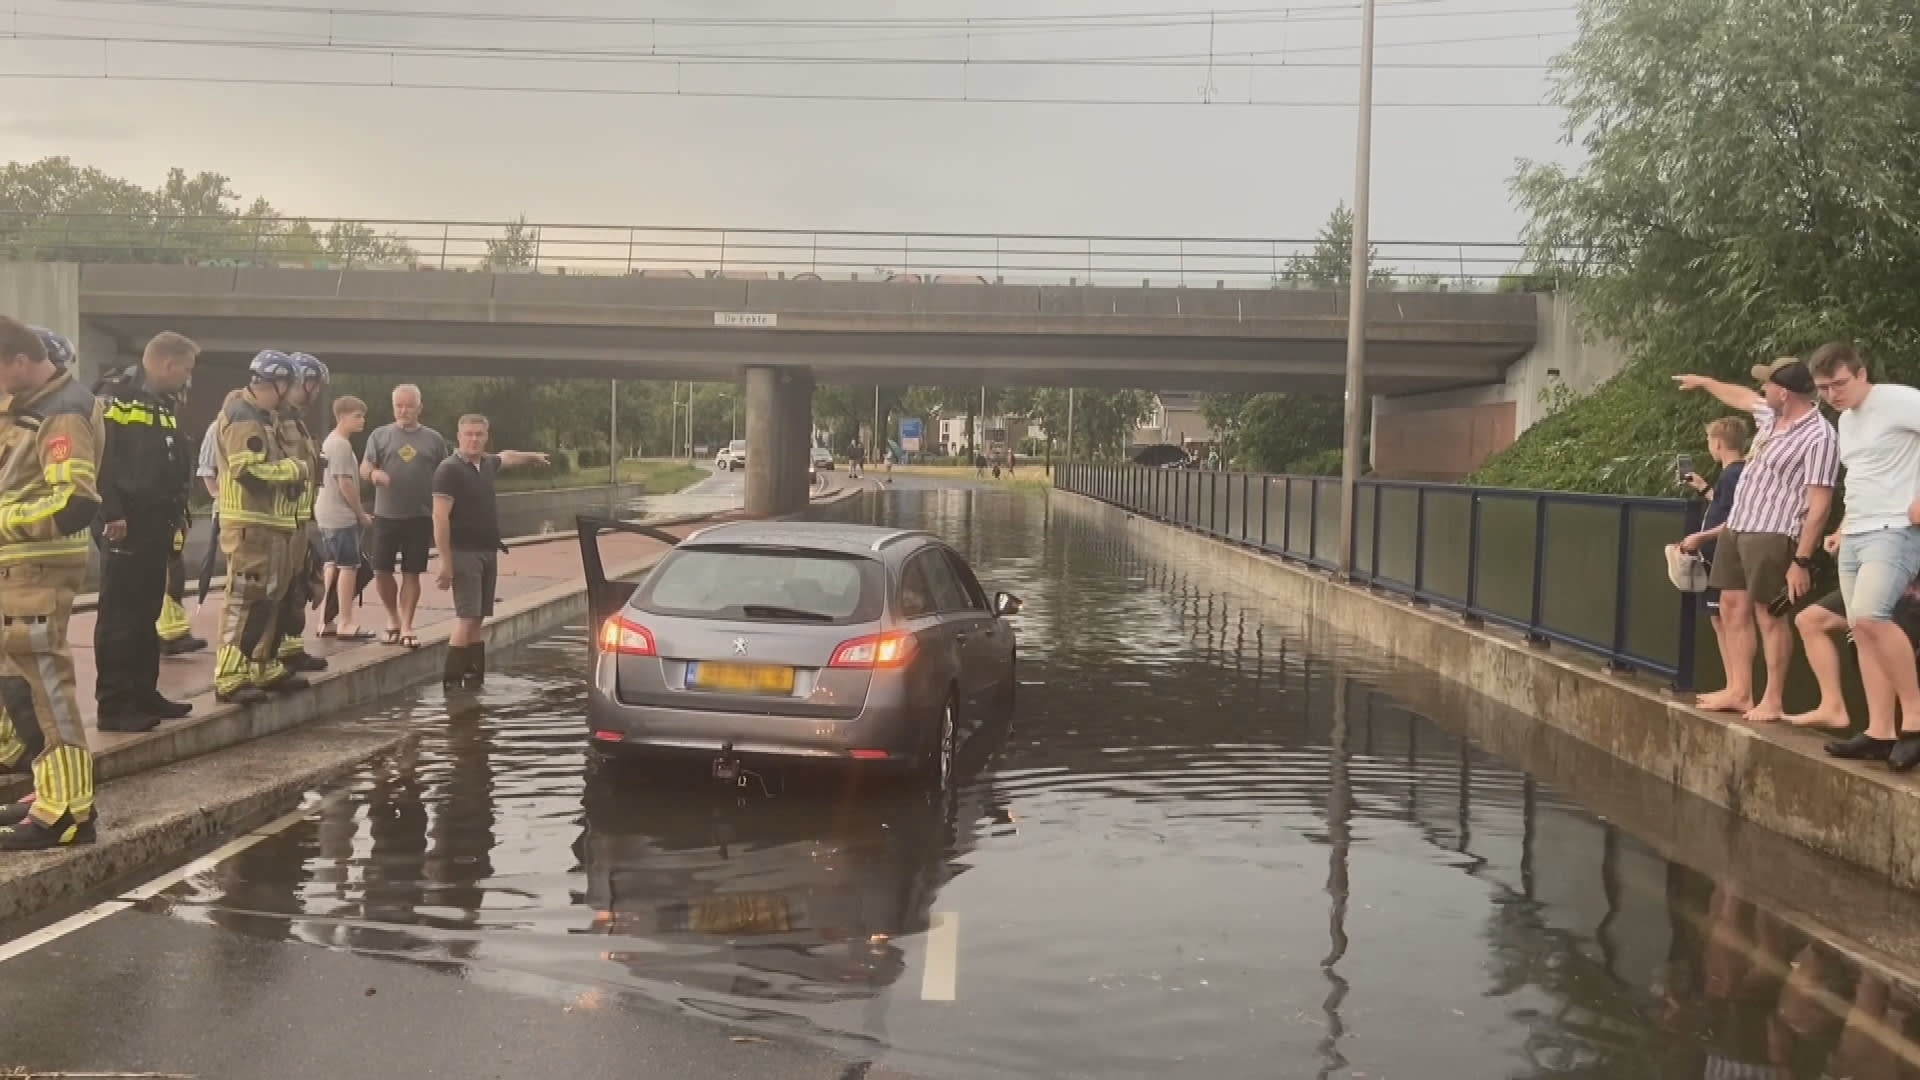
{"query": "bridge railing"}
[(731, 252), (1585, 571)]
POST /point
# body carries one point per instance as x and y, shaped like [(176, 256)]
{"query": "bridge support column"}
[(779, 417)]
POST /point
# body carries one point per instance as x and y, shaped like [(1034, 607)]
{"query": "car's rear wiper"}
[(771, 611)]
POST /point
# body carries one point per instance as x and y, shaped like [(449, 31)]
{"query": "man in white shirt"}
[(1879, 545), (338, 511)]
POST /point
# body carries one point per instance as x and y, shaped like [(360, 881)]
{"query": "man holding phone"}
[(1764, 560)]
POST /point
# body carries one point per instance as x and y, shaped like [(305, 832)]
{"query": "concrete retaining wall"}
[(1776, 778)]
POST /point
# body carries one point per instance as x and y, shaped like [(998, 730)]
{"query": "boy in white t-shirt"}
[(340, 515)]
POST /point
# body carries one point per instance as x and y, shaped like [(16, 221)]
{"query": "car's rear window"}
[(764, 585)]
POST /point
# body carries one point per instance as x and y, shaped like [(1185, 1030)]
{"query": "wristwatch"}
[(1804, 562)]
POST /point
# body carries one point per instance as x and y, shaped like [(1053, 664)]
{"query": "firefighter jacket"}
[(260, 484), (297, 442), (147, 465), (50, 441)]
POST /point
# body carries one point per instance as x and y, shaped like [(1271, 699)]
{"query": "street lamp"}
[(1359, 269)]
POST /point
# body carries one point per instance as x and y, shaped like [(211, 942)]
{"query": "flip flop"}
[(390, 637), (409, 641), (357, 635), (327, 632)]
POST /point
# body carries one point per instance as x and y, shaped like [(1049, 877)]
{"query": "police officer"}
[(260, 492), (50, 438), (309, 379), (143, 507)]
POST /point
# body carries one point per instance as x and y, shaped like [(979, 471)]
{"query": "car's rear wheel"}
[(938, 765)]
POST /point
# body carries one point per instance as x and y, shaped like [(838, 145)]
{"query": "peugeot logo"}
[(739, 646)]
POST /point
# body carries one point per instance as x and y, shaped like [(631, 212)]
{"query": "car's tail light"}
[(622, 635), (888, 650)]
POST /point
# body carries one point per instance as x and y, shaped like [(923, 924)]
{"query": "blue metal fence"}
[(1586, 571)]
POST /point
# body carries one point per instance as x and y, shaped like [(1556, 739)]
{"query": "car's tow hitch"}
[(727, 768)]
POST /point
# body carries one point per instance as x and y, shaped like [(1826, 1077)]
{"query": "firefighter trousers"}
[(126, 645), (250, 615), (40, 710), (173, 623), (299, 594)]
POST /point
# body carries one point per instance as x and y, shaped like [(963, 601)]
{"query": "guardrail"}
[(1586, 571), (730, 252)]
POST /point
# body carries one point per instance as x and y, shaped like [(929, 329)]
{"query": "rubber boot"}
[(476, 672), (455, 672)]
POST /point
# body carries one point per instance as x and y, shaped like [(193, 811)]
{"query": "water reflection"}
[(1210, 841)]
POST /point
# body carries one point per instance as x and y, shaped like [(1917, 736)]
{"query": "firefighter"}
[(260, 492), (144, 472), (50, 438), (309, 379)]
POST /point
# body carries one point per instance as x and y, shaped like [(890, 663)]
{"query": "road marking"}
[(28, 942), (943, 957)]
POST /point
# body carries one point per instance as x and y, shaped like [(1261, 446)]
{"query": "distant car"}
[(798, 641), (732, 456), (822, 459)]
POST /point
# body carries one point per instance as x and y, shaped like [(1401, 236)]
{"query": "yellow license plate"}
[(740, 913), (741, 678)]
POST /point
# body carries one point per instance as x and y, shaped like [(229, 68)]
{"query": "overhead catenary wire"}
[(1240, 59), (396, 83)]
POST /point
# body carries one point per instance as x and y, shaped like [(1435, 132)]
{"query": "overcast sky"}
[(1224, 169)]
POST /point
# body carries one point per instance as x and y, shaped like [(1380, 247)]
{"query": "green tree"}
[(516, 247), (1749, 187), (1330, 264), (1276, 432)]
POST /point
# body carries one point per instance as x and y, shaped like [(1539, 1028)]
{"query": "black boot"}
[(166, 708), (127, 721), (180, 646), (476, 673), (303, 661), (30, 835), (455, 672)]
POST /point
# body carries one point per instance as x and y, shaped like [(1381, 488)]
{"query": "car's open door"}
[(605, 597)]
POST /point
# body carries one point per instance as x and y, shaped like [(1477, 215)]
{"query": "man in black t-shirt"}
[(466, 530)]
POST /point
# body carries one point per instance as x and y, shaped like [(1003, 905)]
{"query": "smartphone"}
[(1682, 468)]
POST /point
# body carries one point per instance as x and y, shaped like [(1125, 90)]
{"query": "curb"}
[(45, 879)]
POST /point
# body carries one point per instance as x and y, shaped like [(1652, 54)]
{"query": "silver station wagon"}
[(797, 641)]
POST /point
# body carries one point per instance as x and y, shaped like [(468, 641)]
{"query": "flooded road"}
[(1205, 843)]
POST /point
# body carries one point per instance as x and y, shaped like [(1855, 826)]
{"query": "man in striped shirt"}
[(1779, 513)]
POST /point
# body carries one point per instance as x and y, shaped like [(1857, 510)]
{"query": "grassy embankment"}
[(659, 477)]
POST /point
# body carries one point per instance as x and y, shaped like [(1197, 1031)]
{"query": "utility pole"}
[(673, 420), (874, 450), (1069, 425), (613, 432), (1359, 268)]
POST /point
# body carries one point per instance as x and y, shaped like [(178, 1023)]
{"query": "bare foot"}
[(1766, 713), (1724, 702), (1822, 719)]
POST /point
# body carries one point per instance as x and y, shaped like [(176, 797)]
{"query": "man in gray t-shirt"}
[(401, 459)]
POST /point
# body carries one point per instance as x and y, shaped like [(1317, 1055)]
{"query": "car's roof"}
[(819, 535)]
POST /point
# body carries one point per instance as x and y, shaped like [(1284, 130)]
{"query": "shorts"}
[(1906, 614), (341, 547), (476, 574), (1876, 568), (1755, 563), (405, 539)]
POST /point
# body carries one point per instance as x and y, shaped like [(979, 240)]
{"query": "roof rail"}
[(895, 537)]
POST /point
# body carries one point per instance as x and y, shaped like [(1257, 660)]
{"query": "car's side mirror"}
[(1007, 604)]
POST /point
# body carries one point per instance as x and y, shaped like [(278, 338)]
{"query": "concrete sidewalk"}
[(541, 587)]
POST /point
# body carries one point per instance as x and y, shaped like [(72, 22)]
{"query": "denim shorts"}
[(1876, 568), (341, 546)]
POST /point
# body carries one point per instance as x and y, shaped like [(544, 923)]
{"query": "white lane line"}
[(60, 929), (943, 957), (46, 934)]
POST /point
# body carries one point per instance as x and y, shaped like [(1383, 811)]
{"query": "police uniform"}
[(260, 491), (50, 441), (302, 569), (143, 483)]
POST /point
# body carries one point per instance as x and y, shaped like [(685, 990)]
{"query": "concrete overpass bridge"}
[(840, 331), (781, 336)]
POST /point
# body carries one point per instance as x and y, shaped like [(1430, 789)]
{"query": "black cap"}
[(1788, 374)]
